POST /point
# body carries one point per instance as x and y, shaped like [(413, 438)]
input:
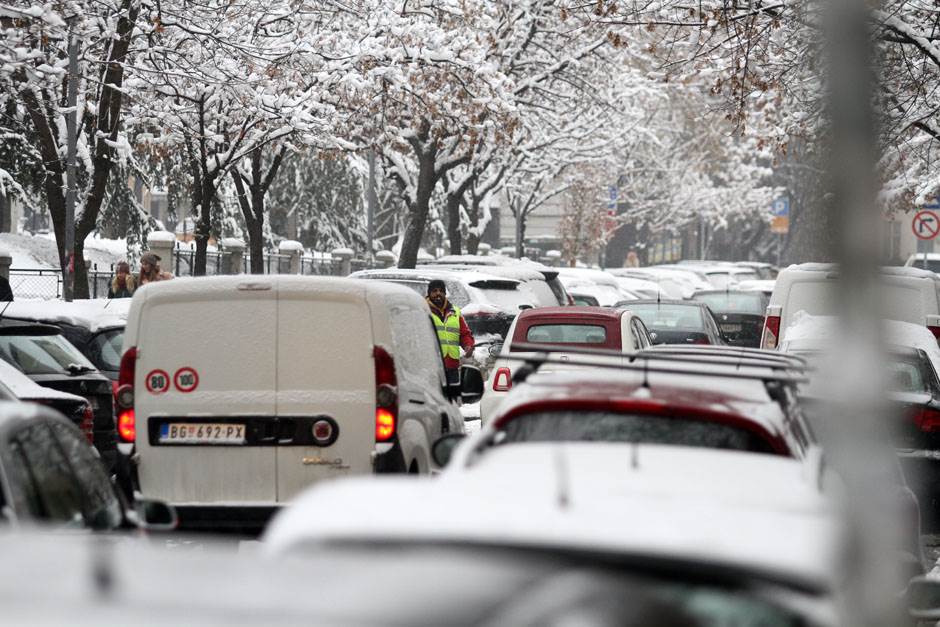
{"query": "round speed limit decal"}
[(186, 380), (157, 381)]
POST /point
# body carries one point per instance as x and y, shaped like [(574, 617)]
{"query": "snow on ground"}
[(34, 252)]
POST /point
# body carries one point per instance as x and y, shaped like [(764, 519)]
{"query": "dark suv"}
[(45, 356)]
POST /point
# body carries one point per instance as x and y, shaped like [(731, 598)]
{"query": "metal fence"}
[(28, 283)]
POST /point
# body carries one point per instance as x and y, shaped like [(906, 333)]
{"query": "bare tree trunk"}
[(427, 179)]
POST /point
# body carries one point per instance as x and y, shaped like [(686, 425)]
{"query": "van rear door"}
[(206, 360), (325, 369)]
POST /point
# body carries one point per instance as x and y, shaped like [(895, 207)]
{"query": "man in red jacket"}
[(452, 330)]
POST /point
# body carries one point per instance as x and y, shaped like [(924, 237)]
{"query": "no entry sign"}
[(926, 224)]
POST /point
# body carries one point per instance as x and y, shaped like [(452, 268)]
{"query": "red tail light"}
[(701, 340), (927, 419), (502, 382), (386, 395), (935, 331), (771, 332), (88, 424), (124, 396)]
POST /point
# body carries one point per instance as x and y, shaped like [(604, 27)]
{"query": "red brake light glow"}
[(927, 419), (386, 395), (126, 427), (124, 396)]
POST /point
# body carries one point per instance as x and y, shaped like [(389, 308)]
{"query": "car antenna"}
[(561, 472)]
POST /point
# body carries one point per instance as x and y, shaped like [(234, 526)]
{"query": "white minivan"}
[(908, 295), (241, 391)]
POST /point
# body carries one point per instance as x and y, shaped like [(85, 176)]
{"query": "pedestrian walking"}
[(452, 330), (633, 260), (123, 284), (150, 270)]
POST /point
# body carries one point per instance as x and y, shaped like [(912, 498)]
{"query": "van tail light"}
[(771, 332), (386, 395), (927, 419), (124, 397), (502, 382), (87, 425)]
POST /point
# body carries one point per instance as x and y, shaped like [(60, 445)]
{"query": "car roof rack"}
[(731, 351), (640, 362)]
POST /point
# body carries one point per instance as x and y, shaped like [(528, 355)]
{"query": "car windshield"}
[(106, 349), (566, 334), (668, 316), (608, 426), (733, 302), (42, 354)]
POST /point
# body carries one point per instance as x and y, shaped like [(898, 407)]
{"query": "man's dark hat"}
[(436, 284)]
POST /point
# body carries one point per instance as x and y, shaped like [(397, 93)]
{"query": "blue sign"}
[(781, 207), (612, 203)]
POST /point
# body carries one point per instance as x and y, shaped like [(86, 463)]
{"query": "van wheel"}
[(413, 468)]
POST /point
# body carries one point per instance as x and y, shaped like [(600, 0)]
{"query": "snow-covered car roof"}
[(517, 272), (703, 506), (489, 261), (586, 274), (467, 277), (26, 389), (757, 285), (808, 332), (93, 314), (891, 271)]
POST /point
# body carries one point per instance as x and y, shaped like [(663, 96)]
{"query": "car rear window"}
[(505, 294), (41, 354), (607, 426), (669, 316), (106, 348), (733, 302), (566, 334), (910, 373), (933, 265)]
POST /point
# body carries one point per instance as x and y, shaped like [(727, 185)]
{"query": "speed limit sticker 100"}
[(186, 379), (157, 381)]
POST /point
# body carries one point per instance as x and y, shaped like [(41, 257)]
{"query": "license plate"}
[(202, 433), (731, 328)]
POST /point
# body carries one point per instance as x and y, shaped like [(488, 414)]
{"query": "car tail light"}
[(927, 419), (502, 382), (701, 340), (933, 325), (87, 425), (386, 395), (771, 330), (124, 396)]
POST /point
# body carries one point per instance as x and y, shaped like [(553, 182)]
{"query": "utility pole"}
[(72, 139)]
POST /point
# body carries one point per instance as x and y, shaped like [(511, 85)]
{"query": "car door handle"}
[(416, 401)]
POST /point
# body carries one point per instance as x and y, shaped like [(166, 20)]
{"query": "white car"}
[(627, 509), (928, 261), (597, 283), (559, 327), (908, 295), (243, 390)]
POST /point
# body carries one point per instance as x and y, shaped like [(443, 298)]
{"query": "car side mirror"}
[(495, 349), (154, 515), (471, 384), (443, 448)]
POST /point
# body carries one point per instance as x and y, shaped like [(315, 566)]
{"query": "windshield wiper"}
[(76, 369)]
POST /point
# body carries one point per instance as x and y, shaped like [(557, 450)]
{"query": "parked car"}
[(764, 271), (641, 287), (765, 287), (545, 291), (675, 283), (95, 327), (719, 275), (604, 287), (344, 377), (925, 261), (53, 477), (740, 314), (625, 534), (677, 322), (582, 299), (16, 386), (560, 328), (486, 262), (45, 356)]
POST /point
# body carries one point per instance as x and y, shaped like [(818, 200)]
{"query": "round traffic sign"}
[(186, 379), (157, 381), (926, 224)]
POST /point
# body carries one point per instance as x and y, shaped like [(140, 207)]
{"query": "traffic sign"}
[(780, 209), (613, 194), (157, 381), (186, 380), (926, 224)]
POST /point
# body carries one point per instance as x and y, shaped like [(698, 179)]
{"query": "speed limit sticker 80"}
[(157, 381), (186, 380)]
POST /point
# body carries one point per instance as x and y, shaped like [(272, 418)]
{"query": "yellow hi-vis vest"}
[(448, 333)]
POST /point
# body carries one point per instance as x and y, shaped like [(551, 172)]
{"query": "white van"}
[(910, 295), (241, 391)]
